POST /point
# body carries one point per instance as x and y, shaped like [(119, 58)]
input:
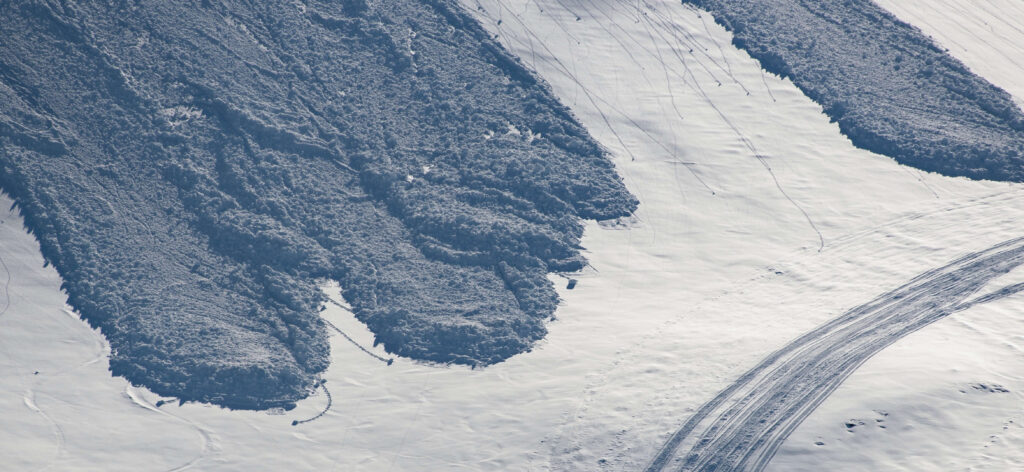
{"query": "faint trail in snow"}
[(991, 199), (722, 53), (920, 178), (415, 417), (746, 141), (330, 401), (7, 288), (688, 165), (29, 398), (821, 239), (980, 40), (766, 87), (744, 425), (1001, 17), (205, 435), (353, 341), (566, 437), (762, 159), (97, 342)]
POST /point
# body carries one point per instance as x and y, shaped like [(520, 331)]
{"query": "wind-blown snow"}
[(720, 267)]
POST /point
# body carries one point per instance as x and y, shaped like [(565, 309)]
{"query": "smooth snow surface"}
[(758, 222)]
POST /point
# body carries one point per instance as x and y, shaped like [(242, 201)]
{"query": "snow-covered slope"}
[(758, 222), (949, 396), (826, 176)]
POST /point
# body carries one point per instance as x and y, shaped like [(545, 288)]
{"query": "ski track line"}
[(330, 401), (566, 438), (353, 341), (29, 399), (205, 435), (744, 425), (655, 24), (7, 288), (30, 395)]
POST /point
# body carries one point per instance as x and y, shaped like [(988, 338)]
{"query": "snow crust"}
[(758, 221)]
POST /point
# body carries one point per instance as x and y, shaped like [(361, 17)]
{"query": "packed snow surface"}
[(758, 223)]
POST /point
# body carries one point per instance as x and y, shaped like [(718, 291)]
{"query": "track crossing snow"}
[(743, 426)]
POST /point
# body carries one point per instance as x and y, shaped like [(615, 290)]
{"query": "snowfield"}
[(758, 223)]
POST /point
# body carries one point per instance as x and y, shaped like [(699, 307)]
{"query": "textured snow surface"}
[(246, 150), (890, 88), (949, 396), (723, 264)]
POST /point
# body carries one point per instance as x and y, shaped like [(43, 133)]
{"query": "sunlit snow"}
[(758, 221)]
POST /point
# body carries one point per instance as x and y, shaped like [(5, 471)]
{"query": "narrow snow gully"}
[(744, 425)]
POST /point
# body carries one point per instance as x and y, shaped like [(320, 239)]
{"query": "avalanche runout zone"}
[(743, 427), (196, 171)]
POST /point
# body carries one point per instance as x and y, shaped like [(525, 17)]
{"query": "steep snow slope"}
[(737, 173)]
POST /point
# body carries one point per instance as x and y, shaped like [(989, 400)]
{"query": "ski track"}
[(29, 398), (353, 341), (205, 435), (330, 401), (567, 438), (41, 378), (744, 425), (687, 78), (7, 288)]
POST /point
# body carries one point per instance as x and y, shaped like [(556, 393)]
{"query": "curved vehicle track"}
[(743, 427)]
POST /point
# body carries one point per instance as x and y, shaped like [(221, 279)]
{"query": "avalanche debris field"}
[(193, 171), (891, 89), (239, 194)]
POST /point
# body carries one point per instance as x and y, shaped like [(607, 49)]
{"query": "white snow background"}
[(758, 221)]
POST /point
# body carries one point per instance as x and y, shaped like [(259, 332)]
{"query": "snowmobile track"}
[(744, 425)]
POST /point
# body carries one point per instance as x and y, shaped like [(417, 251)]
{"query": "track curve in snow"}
[(744, 425)]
